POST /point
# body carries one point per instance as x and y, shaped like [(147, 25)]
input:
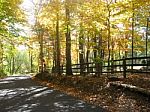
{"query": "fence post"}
[(112, 66), (87, 66), (124, 67), (148, 64)]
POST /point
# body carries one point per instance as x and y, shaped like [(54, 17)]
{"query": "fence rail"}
[(125, 65)]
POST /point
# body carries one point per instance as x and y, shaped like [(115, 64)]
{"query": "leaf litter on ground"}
[(96, 90)]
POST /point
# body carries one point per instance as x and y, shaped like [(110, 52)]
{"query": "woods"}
[(95, 50), (94, 31), (10, 16), (73, 32)]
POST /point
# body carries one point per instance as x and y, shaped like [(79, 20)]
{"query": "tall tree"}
[(68, 38), (81, 50), (58, 68)]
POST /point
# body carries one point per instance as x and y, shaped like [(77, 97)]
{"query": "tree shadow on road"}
[(21, 94)]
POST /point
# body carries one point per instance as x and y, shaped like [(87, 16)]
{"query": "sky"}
[(28, 7)]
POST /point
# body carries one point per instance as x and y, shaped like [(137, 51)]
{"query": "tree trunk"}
[(1, 56), (41, 51), (133, 14), (146, 37), (95, 53), (68, 42), (81, 53), (112, 56), (87, 56), (57, 46), (13, 65), (54, 57), (132, 88), (100, 52), (31, 62), (108, 41)]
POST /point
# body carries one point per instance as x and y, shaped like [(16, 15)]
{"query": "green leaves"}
[(11, 16)]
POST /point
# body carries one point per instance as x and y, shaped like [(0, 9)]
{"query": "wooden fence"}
[(124, 66)]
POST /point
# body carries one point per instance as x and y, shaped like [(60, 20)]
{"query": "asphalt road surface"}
[(22, 94)]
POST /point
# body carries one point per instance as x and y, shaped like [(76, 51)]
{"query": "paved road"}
[(21, 94)]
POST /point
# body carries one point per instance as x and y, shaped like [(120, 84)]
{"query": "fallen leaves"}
[(97, 91)]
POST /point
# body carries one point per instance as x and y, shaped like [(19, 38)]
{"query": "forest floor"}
[(97, 90)]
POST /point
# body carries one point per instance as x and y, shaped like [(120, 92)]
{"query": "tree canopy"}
[(76, 31)]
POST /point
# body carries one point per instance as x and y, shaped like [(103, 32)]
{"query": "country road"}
[(22, 94)]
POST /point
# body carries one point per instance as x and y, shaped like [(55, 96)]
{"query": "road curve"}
[(22, 94)]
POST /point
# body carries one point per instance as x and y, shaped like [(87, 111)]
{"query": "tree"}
[(100, 30), (8, 19), (68, 38)]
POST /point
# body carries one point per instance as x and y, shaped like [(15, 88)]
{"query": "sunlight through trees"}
[(66, 32)]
